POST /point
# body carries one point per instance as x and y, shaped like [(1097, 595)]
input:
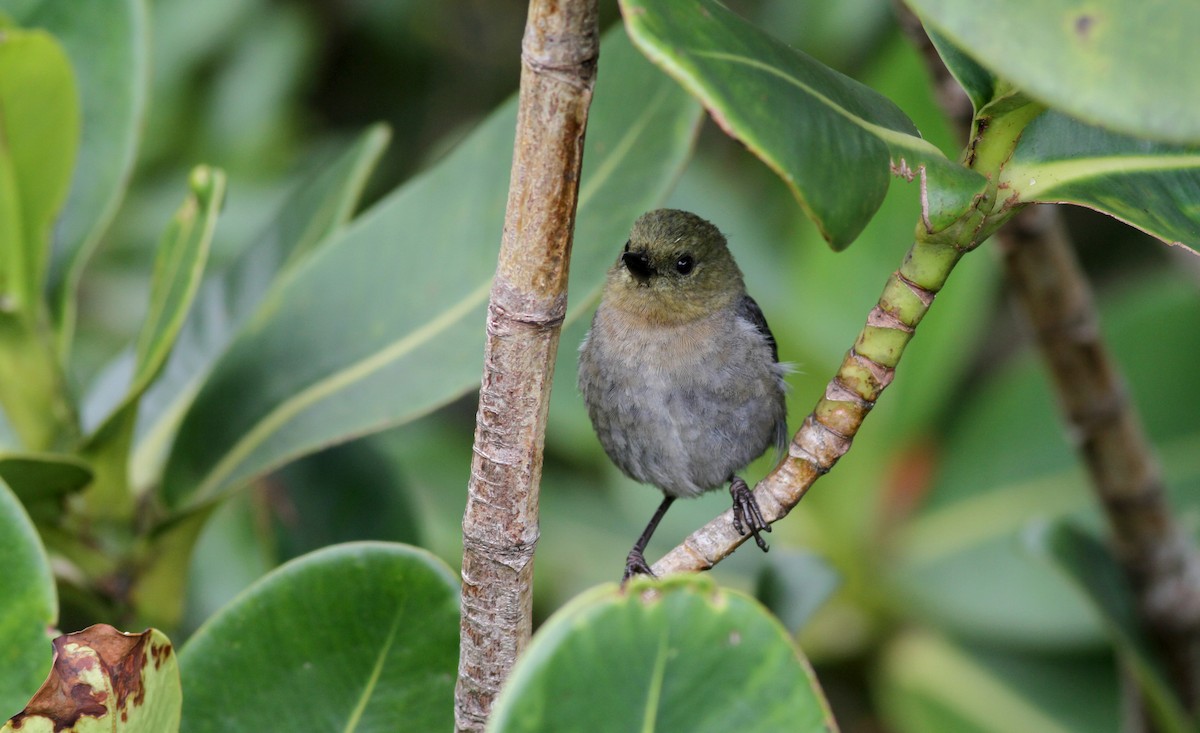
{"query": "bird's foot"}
[(746, 514), (635, 564)]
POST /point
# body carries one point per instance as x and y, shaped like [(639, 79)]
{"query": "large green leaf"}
[(1006, 460), (673, 655), (386, 323), (1090, 567), (359, 637), (318, 207), (1123, 64), (106, 41), (39, 134), (1152, 186), (834, 141), (106, 681), (927, 683), (28, 606)]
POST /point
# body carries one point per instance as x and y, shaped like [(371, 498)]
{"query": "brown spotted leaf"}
[(106, 680)]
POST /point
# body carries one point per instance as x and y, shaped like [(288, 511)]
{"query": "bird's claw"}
[(746, 514), (635, 564)]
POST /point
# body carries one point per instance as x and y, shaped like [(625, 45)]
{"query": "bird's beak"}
[(638, 265)]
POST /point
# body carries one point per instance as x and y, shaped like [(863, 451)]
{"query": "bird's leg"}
[(746, 514), (635, 562)]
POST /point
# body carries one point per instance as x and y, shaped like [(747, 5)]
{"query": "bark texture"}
[(528, 302), (1157, 555)]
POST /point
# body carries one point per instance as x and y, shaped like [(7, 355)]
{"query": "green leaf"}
[(359, 637), (318, 207), (28, 605), (1116, 63), (1089, 566), (1152, 186), (39, 134), (834, 141), (378, 508), (106, 41), (927, 683), (38, 477), (977, 81), (392, 312), (106, 681), (178, 267), (673, 655)]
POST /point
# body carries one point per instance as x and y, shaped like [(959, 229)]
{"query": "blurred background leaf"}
[(392, 309), (1088, 563), (106, 42)]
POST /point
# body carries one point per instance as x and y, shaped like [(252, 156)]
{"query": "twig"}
[(1158, 557), (827, 432), (528, 302)]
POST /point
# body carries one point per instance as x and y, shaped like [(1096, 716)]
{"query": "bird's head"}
[(676, 267)]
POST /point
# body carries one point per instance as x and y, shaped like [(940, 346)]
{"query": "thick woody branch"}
[(528, 302), (1158, 557)]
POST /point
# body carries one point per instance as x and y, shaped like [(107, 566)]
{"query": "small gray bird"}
[(680, 372)]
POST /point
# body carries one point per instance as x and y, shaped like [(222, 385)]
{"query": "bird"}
[(680, 372)]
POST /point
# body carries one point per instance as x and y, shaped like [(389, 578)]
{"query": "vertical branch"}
[(1159, 559), (528, 302)]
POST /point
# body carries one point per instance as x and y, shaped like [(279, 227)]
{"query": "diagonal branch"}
[(867, 370), (528, 302)]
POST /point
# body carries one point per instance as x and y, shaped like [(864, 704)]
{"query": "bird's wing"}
[(750, 311)]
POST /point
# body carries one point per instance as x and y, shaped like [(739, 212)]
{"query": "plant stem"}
[(1158, 557), (827, 432), (528, 303), (33, 389)]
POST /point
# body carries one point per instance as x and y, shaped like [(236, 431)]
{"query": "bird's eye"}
[(626, 245), (684, 264)]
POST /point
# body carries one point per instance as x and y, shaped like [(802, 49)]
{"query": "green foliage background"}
[(945, 616)]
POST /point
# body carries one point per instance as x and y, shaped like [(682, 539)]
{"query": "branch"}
[(1158, 557), (867, 370), (528, 302)]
